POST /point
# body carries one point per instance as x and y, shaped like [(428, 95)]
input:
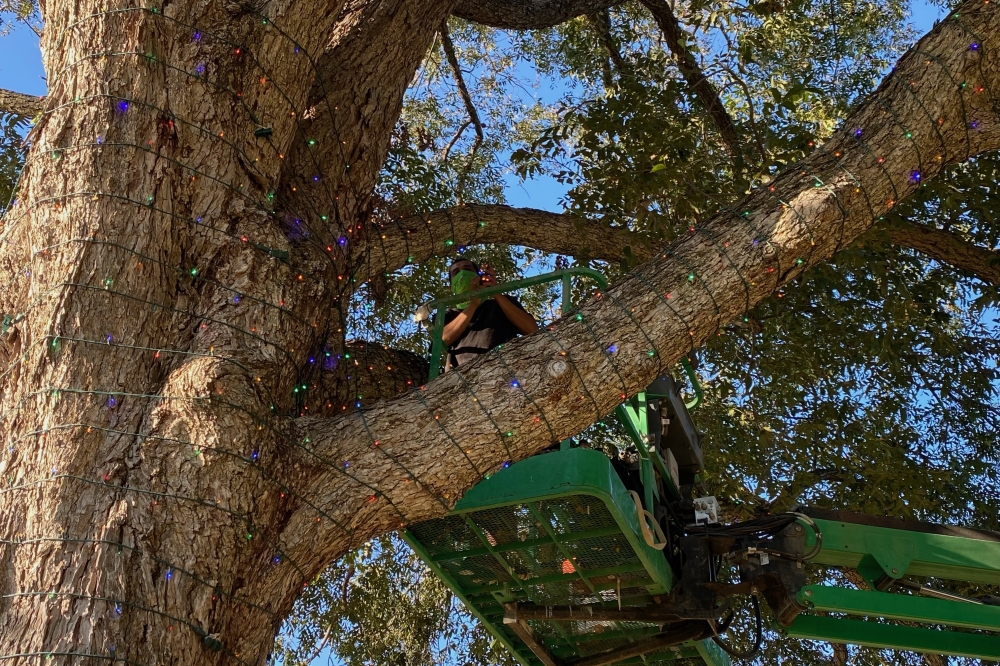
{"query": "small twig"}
[(322, 644), (347, 582), (753, 122), (458, 134), (26, 20), (449, 52), (343, 605)]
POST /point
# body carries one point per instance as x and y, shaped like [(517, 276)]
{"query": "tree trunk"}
[(171, 291), (195, 206)]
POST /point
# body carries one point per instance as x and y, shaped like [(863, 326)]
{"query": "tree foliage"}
[(11, 156), (380, 605)]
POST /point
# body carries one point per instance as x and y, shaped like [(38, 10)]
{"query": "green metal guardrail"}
[(441, 304), (699, 394), (438, 306), (555, 530)]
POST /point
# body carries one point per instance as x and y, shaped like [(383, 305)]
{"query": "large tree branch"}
[(365, 372), (422, 450), (419, 237), (527, 14), (947, 247), (20, 104), (677, 40)]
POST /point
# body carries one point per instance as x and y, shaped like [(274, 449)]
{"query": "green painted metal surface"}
[(565, 275), (900, 607), (579, 478), (894, 636), (890, 553), (555, 529), (699, 394), (897, 552), (633, 416)]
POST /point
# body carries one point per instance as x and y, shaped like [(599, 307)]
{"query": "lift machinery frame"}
[(558, 556)]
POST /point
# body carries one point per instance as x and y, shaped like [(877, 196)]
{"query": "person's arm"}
[(515, 314), (521, 320), (454, 329)]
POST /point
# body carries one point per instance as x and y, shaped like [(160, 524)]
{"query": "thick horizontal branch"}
[(946, 247), (696, 79), (423, 449), (420, 237), (527, 14), (20, 104)]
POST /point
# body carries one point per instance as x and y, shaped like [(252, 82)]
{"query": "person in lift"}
[(478, 325)]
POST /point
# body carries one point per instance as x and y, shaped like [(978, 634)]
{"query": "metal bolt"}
[(798, 528), (809, 593), (895, 571)]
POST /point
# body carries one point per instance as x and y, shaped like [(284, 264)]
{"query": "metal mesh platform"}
[(557, 529)]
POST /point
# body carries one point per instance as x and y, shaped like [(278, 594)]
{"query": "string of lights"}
[(302, 231)]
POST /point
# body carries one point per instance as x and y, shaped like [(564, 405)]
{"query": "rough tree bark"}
[(419, 237), (949, 248), (527, 14), (20, 104), (193, 212)]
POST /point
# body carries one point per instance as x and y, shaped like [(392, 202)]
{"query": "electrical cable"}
[(769, 525), (818, 546), (758, 634)]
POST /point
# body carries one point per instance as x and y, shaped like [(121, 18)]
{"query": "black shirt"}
[(489, 327)]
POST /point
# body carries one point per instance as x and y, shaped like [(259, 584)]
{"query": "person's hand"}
[(475, 285), (488, 276)]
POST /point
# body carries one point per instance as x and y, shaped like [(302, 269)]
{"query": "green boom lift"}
[(572, 559)]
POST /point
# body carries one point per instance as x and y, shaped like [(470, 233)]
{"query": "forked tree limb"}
[(527, 14), (677, 40), (20, 104), (547, 384), (947, 247), (198, 465)]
